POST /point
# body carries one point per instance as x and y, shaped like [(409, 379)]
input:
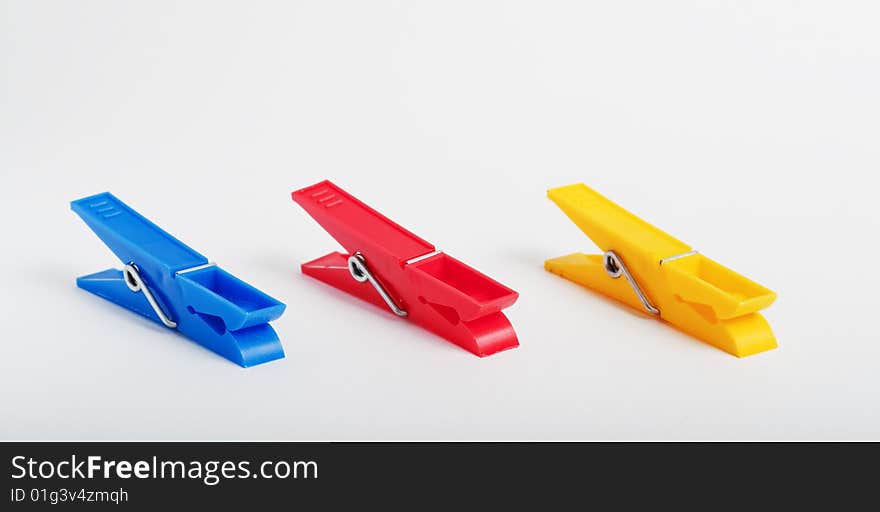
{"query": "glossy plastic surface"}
[(693, 293), (439, 293), (209, 305)]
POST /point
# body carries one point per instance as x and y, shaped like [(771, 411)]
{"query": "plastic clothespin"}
[(166, 281), (653, 272), (396, 270)]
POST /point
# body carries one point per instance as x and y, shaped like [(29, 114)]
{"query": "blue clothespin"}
[(166, 281)]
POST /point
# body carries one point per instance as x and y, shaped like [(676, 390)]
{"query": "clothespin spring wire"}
[(357, 265), (615, 268), (136, 284)]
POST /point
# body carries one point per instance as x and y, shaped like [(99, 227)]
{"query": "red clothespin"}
[(394, 269)]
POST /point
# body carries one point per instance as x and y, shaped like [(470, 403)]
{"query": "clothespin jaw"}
[(173, 285), (396, 270), (649, 270)]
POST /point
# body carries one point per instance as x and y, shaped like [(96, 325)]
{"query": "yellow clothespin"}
[(652, 271)]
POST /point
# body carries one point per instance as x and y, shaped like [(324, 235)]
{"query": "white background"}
[(747, 129)]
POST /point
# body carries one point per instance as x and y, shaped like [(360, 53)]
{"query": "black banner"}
[(415, 475)]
